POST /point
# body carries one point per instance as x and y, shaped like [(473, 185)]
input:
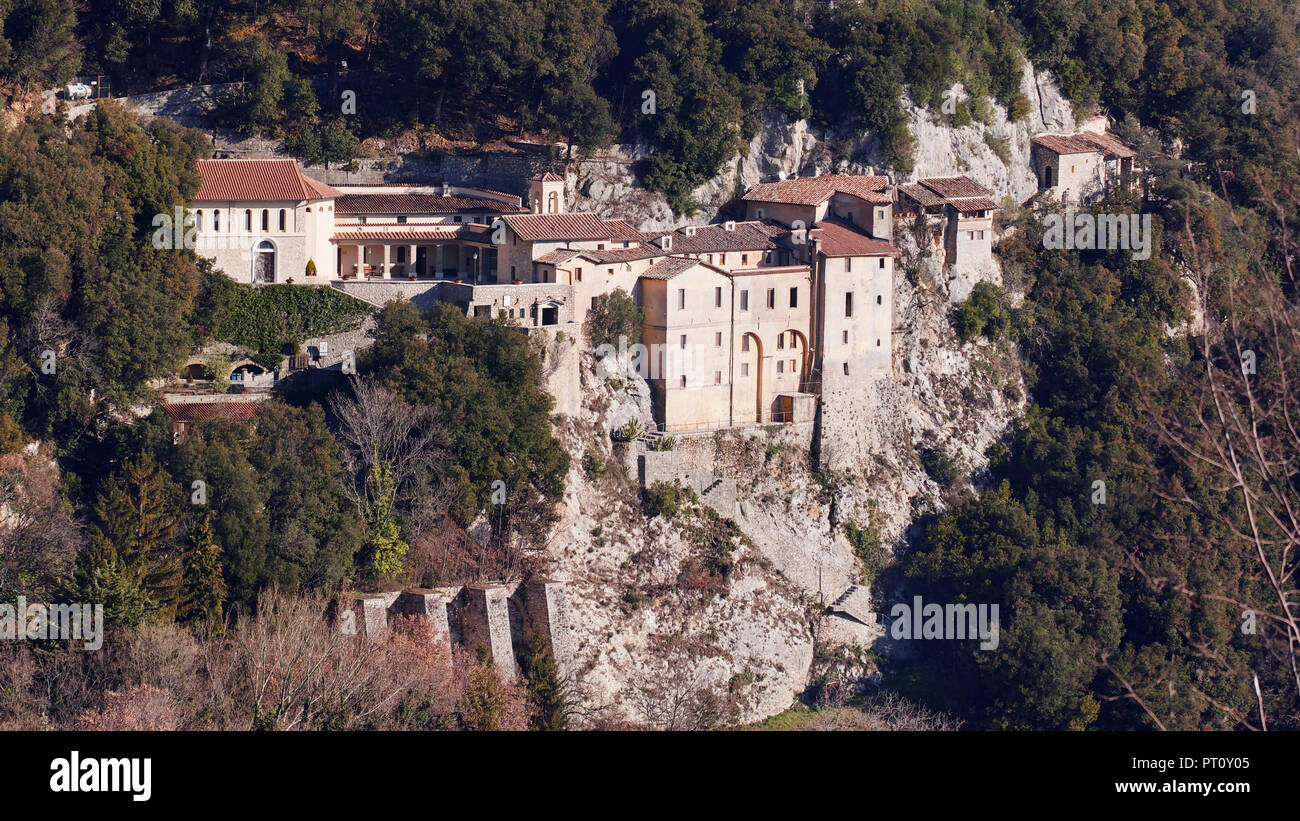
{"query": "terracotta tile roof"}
[(815, 190), (549, 176), (201, 411), (399, 233), (920, 194), (839, 240), (771, 269), (954, 187), (534, 227), (969, 204), (1110, 144), (621, 229), (747, 236), (558, 255), (417, 204), (259, 181), (637, 251), (670, 267)]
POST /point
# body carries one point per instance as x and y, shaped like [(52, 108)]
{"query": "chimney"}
[(729, 225)]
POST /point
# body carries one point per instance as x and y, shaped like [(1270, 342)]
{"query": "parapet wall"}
[(501, 619)]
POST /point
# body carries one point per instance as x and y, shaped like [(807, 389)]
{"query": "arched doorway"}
[(264, 262), (748, 390), (796, 355), (1047, 176)]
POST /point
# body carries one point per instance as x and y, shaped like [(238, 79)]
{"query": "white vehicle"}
[(78, 91)]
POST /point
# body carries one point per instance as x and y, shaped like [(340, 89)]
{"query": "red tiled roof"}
[(839, 240), (636, 251), (200, 411), (1110, 144), (670, 267), (814, 190), (921, 194), (401, 233), (968, 204), (533, 227), (557, 256), (259, 181), (951, 187), (549, 177), (417, 204), (746, 236)]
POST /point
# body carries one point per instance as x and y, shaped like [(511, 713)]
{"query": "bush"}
[(939, 466), (632, 430), (985, 313), (868, 549), (271, 360), (593, 465), (615, 314), (662, 499), (1019, 108), (663, 443)]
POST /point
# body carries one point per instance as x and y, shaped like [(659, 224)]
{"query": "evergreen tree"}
[(548, 692), (205, 588)]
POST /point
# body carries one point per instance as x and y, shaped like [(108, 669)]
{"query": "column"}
[(384, 272), (410, 261), (361, 260), (438, 261)]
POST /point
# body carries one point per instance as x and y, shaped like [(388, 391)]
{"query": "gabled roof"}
[(416, 204), (430, 231), (703, 239), (549, 176), (921, 194), (258, 181), (672, 266), (541, 227), (955, 187), (558, 255), (839, 240), (1085, 142), (815, 190)]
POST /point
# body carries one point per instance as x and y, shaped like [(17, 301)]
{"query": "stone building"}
[(1079, 168), (959, 212)]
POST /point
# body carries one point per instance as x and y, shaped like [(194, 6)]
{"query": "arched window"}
[(553, 203), (216, 221), (198, 220), (266, 219), (283, 219), (248, 220)]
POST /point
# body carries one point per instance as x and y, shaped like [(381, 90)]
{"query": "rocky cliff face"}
[(733, 607)]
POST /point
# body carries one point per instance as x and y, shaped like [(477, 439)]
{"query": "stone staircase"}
[(855, 603)]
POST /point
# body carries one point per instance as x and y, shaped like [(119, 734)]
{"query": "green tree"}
[(205, 587), (548, 692)]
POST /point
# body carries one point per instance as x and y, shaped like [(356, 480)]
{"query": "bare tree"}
[(1240, 429), (393, 452)]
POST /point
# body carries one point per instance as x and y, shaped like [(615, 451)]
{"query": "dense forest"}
[(1122, 615)]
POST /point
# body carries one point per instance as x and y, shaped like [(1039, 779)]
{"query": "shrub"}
[(984, 313), (868, 549), (662, 499), (632, 430), (939, 465), (1019, 108), (663, 443), (615, 314), (272, 316), (593, 465)]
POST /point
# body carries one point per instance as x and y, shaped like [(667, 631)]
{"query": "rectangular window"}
[(683, 340), (744, 300), (744, 343), (683, 380), (744, 369), (794, 297), (780, 340), (717, 377), (717, 339), (577, 274), (846, 369), (744, 259), (879, 299), (780, 366), (266, 219), (681, 298), (848, 264), (593, 303), (882, 262), (771, 298), (401, 220), (717, 297), (793, 368), (848, 304), (844, 337), (282, 220)]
